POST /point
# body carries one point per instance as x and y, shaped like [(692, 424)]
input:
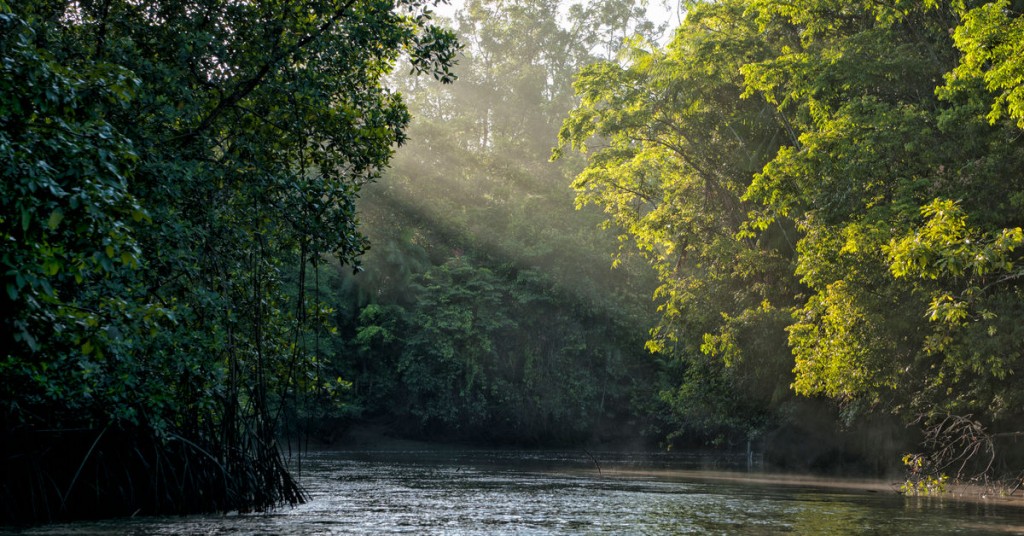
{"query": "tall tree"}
[(911, 309), (891, 195), (672, 146), (162, 163)]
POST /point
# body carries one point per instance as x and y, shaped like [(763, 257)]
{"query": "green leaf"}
[(55, 218)]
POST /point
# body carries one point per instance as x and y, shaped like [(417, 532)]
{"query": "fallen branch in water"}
[(595, 461)]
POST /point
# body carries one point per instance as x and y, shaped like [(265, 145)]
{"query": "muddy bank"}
[(957, 492)]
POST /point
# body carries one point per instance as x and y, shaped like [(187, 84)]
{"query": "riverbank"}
[(646, 464), (508, 493), (957, 492)]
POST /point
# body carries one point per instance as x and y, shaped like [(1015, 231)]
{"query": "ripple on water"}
[(510, 493)]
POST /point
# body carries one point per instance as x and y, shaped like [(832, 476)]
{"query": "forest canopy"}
[(831, 188)]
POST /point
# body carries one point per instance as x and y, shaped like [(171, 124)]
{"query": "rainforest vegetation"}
[(164, 165), (230, 226)]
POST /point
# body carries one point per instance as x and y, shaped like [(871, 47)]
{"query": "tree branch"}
[(250, 85)]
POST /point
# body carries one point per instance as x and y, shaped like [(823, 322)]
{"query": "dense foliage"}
[(487, 310), (162, 163), (833, 188), (828, 192)]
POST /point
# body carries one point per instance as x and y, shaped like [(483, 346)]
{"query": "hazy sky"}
[(657, 10)]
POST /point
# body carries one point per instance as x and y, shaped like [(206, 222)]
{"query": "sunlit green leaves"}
[(991, 35), (674, 140), (945, 247), (908, 291), (908, 202)]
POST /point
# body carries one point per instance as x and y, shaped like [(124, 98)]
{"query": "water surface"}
[(512, 493)]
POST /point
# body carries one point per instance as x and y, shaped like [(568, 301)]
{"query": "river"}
[(521, 493)]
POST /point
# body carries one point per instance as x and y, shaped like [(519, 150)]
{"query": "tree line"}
[(830, 194), (486, 310)]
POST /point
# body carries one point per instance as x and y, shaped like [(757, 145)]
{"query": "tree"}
[(881, 155), (163, 163), (672, 147), (780, 140)]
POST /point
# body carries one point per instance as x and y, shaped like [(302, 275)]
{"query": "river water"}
[(523, 493)]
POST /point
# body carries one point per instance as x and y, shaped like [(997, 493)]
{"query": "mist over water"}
[(513, 492)]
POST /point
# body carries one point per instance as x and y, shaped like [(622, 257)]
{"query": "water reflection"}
[(478, 493)]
